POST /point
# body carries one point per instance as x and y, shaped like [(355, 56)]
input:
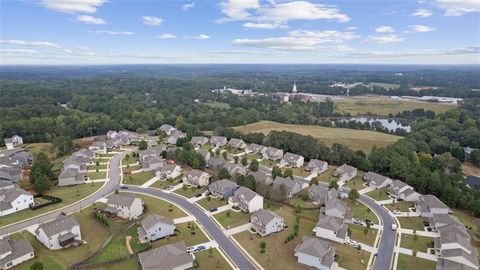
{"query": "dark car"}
[(198, 194), (124, 187), (200, 248), (213, 209)]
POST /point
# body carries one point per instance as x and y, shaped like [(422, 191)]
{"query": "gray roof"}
[(317, 248), (166, 127), (233, 168), (245, 194), (315, 163), (336, 204), (398, 184), (218, 139), (289, 183), (223, 184), (272, 151), (346, 169), (443, 264), (12, 171), (167, 168), (472, 257), (235, 142), (265, 216), (71, 172), (261, 176), (9, 195), (166, 257), (153, 219), (177, 134), (291, 158), (255, 147), (374, 177), (198, 140), (432, 201), (122, 200), (58, 225), (4, 184), (18, 248), (195, 174)]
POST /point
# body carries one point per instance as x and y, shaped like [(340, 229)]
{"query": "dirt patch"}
[(127, 242)]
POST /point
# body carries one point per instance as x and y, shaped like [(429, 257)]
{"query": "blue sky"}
[(239, 31)]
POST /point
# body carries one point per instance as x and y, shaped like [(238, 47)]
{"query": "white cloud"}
[(188, 6), (90, 20), (421, 12), (385, 29), (73, 6), (421, 28), (238, 9), (43, 44), (352, 28), (151, 20), (166, 36), (300, 40), (114, 33), (202, 36), (385, 39), (252, 25), (458, 7)]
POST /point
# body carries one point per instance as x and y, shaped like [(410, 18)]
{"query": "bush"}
[(36, 266)]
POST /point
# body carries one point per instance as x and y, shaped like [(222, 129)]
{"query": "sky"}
[(68, 32)]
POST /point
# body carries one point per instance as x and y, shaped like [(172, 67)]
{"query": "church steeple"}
[(294, 90)]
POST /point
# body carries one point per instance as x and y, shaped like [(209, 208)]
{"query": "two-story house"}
[(345, 172), (223, 188), (246, 200), (125, 206), (13, 200), (266, 222), (293, 160), (155, 227), (14, 252), (62, 232), (196, 178)]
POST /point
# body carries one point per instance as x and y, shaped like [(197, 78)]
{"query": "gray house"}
[(223, 188), (292, 187), (174, 136), (198, 141), (262, 177), (376, 180), (428, 205), (234, 169), (345, 172), (254, 148), (318, 166), (237, 144), (70, 177), (167, 128), (293, 160), (272, 153), (320, 194), (166, 257), (154, 227), (14, 252), (316, 253), (266, 222), (10, 173), (218, 141), (150, 163), (339, 209), (216, 163)]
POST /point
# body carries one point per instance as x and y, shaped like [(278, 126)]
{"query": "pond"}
[(388, 123)]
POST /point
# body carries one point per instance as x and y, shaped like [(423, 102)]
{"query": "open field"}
[(406, 262), (420, 245), (68, 195), (384, 106), (46, 148), (355, 139), (412, 223)]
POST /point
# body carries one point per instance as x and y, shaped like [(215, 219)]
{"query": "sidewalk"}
[(421, 233), (422, 255), (196, 199), (365, 190), (184, 219), (238, 229), (150, 182)]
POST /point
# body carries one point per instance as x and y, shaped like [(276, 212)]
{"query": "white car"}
[(394, 227), (397, 212), (351, 242), (190, 249)]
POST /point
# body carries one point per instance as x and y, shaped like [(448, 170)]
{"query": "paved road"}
[(108, 188)]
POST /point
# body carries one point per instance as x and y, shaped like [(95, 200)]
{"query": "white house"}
[(125, 206), (428, 205), (10, 143), (155, 227), (59, 233), (246, 199), (13, 200), (218, 141), (169, 171), (376, 180), (266, 222), (345, 172), (196, 178), (396, 187), (316, 253), (318, 166), (331, 228), (293, 160), (14, 252)]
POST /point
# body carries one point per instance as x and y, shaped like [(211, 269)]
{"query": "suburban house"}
[(174, 136), (223, 188), (151, 163), (246, 199), (167, 257), (272, 153), (317, 166), (293, 160), (198, 141), (16, 157), (345, 172), (266, 222), (167, 129), (13, 200), (169, 171), (320, 194), (84, 153), (151, 152), (98, 147), (428, 205), (292, 187), (376, 180), (125, 206), (121, 138), (76, 162), (216, 163), (409, 195), (396, 187), (70, 177), (254, 148), (235, 168), (316, 253), (10, 143), (331, 228), (13, 173), (262, 177), (196, 178), (237, 144), (59, 233), (438, 221), (14, 252), (155, 227), (206, 155), (339, 209), (218, 141)]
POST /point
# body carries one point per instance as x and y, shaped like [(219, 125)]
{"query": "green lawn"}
[(387, 86), (254, 156), (138, 178), (299, 201), (130, 264), (235, 219), (210, 261), (160, 207), (358, 234), (401, 206), (421, 244), (327, 176), (412, 223), (213, 203), (268, 163), (300, 172), (108, 155), (217, 105), (349, 257), (68, 195), (131, 168), (129, 160), (184, 232), (190, 192), (356, 183), (406, 262), (95, 167), (97, 175), (378, 194), (359, 210)]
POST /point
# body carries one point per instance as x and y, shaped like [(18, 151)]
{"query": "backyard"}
[(215, 260), (356, 183), (358, 234), (349, 257), (412, 223), (401, 206), (359, 210), (188, 232), (406, 262), (97, 175), (190, 192)]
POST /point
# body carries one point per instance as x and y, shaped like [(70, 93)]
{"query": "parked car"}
[(200, 248), (198, 195), (213, 209), (124, 187), (190, 249), (394, 227), (359, 221), (351, 242)]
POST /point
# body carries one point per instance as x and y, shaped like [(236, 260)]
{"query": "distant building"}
[(293, 160), (10, 143), (218, 141), (320, 194), (292, 187), (472, 181), (199, 141), (272, 153)]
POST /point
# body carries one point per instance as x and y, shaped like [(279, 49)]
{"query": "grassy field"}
[(268, 163), (129, 160), (138, 178), (355, 139), (131, 168), (349, 257), (235, 219), (184, 232), (406, 262), (97, 175), (68, 195), (385, 85), (358, 234), (211, 261), (327, 176), (384, 106), (378, 194), (359, 210), (412, 223), (402, 206), (356, 183), (213, 203), (46, 148), (190, 192), (421, 244)]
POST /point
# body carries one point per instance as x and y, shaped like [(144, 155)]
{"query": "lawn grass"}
[(327, 176), (384, 106), (299, 201), (95, 167), (268, 163), (378, 194), (68, 195), (92, 232), (412, 223), (46, 148), (359, 210), (97, 175), (132, 168), (160, 207), (406, 262), (253, 157), (349, 257), (129, 160), (356, 183), (355, 139), (213, 203), (108, 155), (215, 260), (184, 232), (420, 245), (130, 264), (358, 234), (401, 206), (300, 172), (138, 178), (190, 192), (235, 219), (387, 86)]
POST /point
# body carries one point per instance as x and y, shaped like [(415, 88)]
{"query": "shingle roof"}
[(315, 163), (291, 158), (153, 219), (317, 248), (165, 257), (245, 193), (9, 195), (59, 224), (346, 169), (18, 248), (122, 200), (265, 216)]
